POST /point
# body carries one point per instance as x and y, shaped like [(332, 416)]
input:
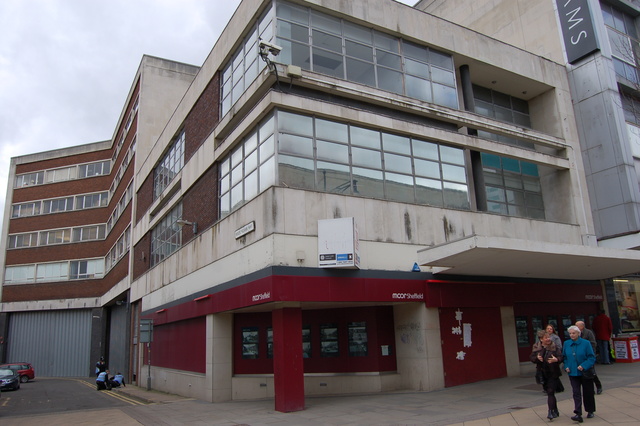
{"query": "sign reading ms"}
[(578, 31)]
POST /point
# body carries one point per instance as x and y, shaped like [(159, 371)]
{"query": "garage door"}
[(56, 343)]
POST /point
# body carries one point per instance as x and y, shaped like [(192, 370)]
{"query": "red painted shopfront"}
[(344, 323), (535, 304)]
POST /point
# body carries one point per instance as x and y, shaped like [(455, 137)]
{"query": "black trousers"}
[(596, 381), (583, 391), (550, 387)]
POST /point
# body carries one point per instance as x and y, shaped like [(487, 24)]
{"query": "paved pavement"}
[(507, 401)]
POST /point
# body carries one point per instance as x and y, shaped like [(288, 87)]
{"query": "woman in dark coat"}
[(548, 358)]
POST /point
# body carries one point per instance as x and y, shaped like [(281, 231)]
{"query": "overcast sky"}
[(66, 66)]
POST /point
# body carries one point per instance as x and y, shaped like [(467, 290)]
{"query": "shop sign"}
[(577, 27), (338, 243), (407, 296), (260, 297)]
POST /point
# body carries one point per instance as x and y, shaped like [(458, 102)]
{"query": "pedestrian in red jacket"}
[(603, 328)]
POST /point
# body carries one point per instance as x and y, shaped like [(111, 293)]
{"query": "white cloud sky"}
[(66, 66)]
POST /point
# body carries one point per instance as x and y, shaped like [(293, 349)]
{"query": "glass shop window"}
[(269, 342), (522, 331), (329, 346), (306, 342), (358, 339), (250, 341)]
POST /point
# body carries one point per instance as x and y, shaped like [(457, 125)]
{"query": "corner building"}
[(362, 212)]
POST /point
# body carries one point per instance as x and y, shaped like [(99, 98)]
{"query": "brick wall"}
[(200, 203), (66, 289), (203, 117), (141, 258)]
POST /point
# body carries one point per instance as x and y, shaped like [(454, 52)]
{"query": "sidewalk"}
[(507, 401)]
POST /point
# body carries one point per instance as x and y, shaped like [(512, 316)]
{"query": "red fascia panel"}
[(279, 288), (440, 293)]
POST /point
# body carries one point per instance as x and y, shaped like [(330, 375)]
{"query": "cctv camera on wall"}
[(269, 48)]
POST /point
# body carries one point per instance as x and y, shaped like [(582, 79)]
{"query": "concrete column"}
[(219, 370), (418, 347), (288, 369)]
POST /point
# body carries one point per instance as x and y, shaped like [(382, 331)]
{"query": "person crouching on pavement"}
[(102, 381), (548, 358), (117, 380), (578, 358)]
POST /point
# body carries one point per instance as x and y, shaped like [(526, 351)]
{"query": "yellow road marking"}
[(113, 394)]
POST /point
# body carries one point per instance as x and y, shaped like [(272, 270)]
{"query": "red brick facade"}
[(203, 117), (200, 204)]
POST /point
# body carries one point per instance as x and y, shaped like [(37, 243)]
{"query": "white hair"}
[(575, 328)]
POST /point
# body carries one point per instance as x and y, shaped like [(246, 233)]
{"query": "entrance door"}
[(472, 345)]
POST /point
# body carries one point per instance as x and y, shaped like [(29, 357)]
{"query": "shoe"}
[(550, 415), (577, 418), (555, 413), (599, 391), (590, 415)]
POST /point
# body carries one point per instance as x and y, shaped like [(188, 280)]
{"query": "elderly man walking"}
[(587, 334)]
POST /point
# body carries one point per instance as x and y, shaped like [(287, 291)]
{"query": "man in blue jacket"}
[(578, 360), (102, 381)]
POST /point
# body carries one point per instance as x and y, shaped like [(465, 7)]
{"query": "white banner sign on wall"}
[(338, 243)]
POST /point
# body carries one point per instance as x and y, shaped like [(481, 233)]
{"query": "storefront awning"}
[(507, 257)]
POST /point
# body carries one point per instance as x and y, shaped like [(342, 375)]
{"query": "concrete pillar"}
[(219, 368), (288, 368)]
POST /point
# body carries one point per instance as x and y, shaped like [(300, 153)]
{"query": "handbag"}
[(589, 374), (540, 379)]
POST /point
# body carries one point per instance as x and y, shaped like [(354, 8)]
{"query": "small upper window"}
[(29, 179), (169, 166)]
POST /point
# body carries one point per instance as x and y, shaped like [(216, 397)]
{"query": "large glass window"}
[(169, 166), (62, 174), (330, 156), (56, 236), (94, 169), (57, 205), (29, 179), (321, 43), (89, 201), (512, 186), (84, 269), (249, 169), (23, 240), (339, 48), (26, 209), (623, 39), (627, 291), (166, 236), (245, 64), (89, 233), (19, 274)]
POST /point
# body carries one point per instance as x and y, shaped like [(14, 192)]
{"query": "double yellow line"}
[(113, 394)]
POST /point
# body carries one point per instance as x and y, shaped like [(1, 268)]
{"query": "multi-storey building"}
[(343, 198), (598, 43), (67, 234)]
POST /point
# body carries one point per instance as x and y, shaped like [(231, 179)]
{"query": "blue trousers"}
[(603, 349)]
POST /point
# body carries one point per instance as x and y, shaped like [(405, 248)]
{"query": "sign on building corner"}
[(578, 31)]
